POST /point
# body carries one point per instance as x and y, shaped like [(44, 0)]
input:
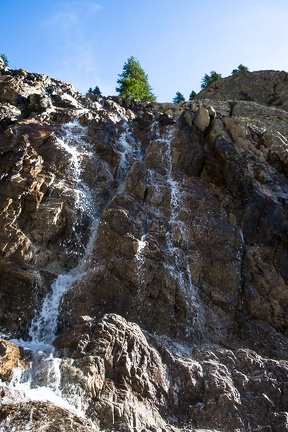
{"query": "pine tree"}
[(178, 98), (241, 68), (133, 82), (208, 79), (192, 95), (4, 58), (96, 91)]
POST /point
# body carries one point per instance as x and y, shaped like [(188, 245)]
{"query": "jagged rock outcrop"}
[(40, 416), (165, 226), (268, 88), (125, 371)]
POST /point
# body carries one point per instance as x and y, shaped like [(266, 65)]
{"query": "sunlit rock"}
[(11, 357)]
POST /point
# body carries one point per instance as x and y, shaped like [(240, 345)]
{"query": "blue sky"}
[(87, 42)]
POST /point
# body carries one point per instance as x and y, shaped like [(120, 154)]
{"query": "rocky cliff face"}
[(148, 244)]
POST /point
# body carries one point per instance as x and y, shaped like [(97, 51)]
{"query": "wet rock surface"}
[(175, 317)]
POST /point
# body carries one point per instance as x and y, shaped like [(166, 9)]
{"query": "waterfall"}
[(179, 265), (177, 260), (42, 381), (44, 325), (140, 257), (129, 152)]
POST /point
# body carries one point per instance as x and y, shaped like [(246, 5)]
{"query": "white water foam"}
[(44, 325), (73, 143), (140, 257), (141, 245), (129, 152), (42, 381)]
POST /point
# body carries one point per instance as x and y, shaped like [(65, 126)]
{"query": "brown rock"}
[(11, 357)]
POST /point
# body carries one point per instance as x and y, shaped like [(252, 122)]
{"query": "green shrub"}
[(208, 79)]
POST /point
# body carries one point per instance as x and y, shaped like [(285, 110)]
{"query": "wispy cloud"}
[(85, 5), (63, 20), (67, 15), (71, 28)]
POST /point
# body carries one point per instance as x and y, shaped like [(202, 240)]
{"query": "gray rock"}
[(202, 119)]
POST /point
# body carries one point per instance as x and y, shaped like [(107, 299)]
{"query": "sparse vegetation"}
[(178, 98), (5, 59), (244, 96), (208, 79), (241, 68), (192, 95), (96, 91), (274, 99)]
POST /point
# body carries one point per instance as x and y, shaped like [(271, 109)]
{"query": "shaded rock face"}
[(167, 226)]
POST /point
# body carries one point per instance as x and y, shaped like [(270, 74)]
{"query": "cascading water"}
[(140, 257), (129, 152), (180, 267), (177, 261), (43, 326), (43, 380)]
